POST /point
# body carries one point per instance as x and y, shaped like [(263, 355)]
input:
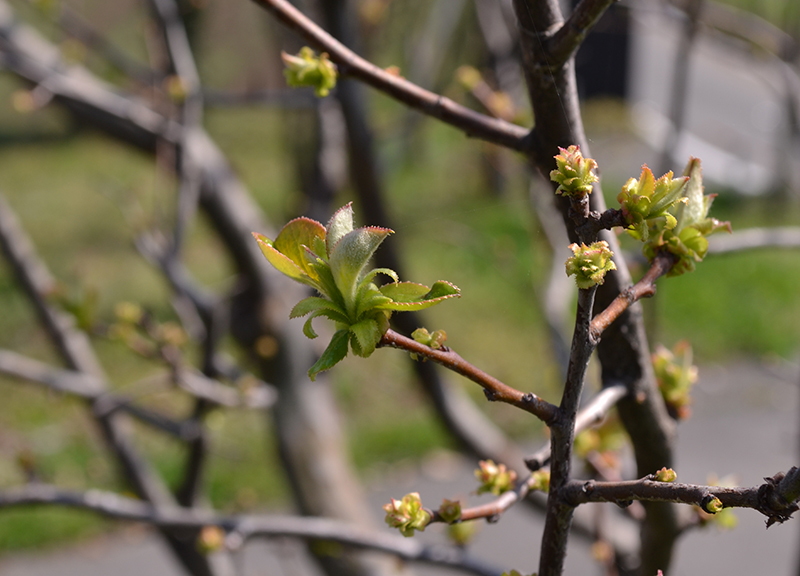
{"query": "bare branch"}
[(494, 389), (569, 37), (472, 123), (558, 516), (775, 498), (245, 527)]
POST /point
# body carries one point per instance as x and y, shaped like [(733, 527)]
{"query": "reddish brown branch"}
[(492, 510), (495, 390), (471, 122), (644, 288)]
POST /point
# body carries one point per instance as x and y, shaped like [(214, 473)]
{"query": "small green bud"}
[(590, 263), (494, 478), (540, 480), (712, 504), (450, 510), (646, 203), (666, 475), (469, 77), (516, 573), (307, 69), (128, 312), (434, 340), (407, 514), (675, 375), (574, 174), (462, 533)]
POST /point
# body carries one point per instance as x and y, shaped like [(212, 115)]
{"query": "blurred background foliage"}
[(84, 197)]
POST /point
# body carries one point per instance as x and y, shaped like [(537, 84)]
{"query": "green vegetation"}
[(83, 215)]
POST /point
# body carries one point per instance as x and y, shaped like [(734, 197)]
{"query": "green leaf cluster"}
[(589, 264), (333, 260), (574, 173), (676, 375), (494, 478), (646, 202), (407, 514), (668, 215), (308, 69)]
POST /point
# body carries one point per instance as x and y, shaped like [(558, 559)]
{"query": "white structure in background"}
[(735, 118)]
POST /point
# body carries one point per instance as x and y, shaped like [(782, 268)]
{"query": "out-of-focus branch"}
[(494, 389), (77, 352), (746, 26), (246, 527), (563, 44), (680, 81), (755, 239), (472, 123), (90, 388), (594, 412), (74, 25)]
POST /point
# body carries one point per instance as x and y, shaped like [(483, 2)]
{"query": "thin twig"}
[(570, 36), (472, 123), (775, 498), (244, 527), (492, 511), (494, 389), (644, 288)]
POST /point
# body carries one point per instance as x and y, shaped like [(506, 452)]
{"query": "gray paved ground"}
[(745, 422)]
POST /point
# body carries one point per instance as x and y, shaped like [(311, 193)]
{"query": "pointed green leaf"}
[(282, 262), (334, 315), (327, 285), (373, 273), (405, 291), (334, 353), (407, 296), (295, 236), (340, 224), (370, 299), (694, 208), (350, 256), (442, 289), (368, 334), (319, 248), (313, 303)]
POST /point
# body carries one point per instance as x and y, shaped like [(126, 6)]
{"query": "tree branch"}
[(558, 517), (590, 415), (494, 389), (567, 39), (644, 288), (472, 123), (239, 529), (776, 498)]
